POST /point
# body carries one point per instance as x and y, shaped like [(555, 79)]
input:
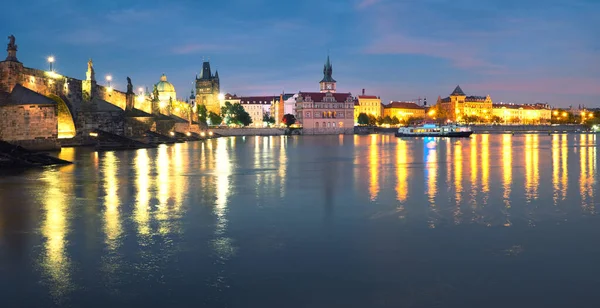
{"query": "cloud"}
[(362, 4), (87, 36), (547, 85), (461, 56), (195, 48)]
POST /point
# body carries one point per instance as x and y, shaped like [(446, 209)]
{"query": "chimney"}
[(363, 92)]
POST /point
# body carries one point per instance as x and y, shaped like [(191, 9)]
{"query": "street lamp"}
[(51, 60), (108, 79)]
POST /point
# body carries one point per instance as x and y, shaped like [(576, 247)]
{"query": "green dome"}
[(164, 85)]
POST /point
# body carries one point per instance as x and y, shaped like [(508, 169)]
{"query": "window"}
[(333, 124), (323, 124), (341, 124), (308, 114), (328, 124), (316, 124)]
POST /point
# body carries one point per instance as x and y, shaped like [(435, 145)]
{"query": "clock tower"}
[(327, 83)]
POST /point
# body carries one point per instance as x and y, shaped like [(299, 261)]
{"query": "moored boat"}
[(433, 130)]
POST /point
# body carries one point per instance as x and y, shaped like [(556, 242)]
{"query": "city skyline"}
[(518, 52)]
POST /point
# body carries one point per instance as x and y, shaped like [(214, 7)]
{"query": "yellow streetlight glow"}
[(555, 113), (564, 114), (221, 96), (108, 77), (50, 59)]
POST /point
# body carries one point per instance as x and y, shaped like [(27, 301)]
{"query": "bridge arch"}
[(66, 125)]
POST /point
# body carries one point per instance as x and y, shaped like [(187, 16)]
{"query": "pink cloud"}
[(366, 3), (547, 85), (461, 56)]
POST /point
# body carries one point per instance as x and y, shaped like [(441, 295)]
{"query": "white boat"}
[(434, 130)]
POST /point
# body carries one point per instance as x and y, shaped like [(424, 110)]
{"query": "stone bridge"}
[(83, 105)]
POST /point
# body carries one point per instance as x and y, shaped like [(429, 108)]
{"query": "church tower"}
[(327, 83), (208, 89)]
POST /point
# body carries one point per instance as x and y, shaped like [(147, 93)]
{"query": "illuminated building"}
[(458, 105), (208, 89), (368, 104), (257, 106), (325, 112), (166, 90), (403, 110), (521, 114)]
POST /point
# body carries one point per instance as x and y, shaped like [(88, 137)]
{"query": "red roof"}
[(318, 97), (403, 105), (258, 99), (368, 96)]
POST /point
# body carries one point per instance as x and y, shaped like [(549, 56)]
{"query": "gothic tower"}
[(327, 83), (208, 89)]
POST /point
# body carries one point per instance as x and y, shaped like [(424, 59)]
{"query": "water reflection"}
[(458, 178), (431, 162), (223, 245), (401, 171), (373, 167), (56, 262), (112, 221), (485, 167), (531, 167), (587, 159), (141, 212), (507, 175)]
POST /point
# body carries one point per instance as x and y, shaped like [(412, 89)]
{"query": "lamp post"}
[(108, 79), (51, 60)]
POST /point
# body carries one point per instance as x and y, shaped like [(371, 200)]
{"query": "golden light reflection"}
[(282, 167), (485, 166), (162, 183), (431, 174), (223, 245), (555, 167), (112, 222), (564, 154), (54, 228), (67, 154), (531, 167), (141, 212), (373, 168), (587, 175), (401, 171), (507, 174), (458, 165), (473, 158)]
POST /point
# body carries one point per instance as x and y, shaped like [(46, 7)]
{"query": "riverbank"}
[(500, 129)]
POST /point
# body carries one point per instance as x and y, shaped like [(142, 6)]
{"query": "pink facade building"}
[(326, 112)]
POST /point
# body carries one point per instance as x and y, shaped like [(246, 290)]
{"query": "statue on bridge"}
[(129, 86), (155, 93), (90, 75), (11, 42), (12, 49)]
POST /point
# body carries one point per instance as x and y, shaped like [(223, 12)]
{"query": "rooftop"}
[(403, 105)]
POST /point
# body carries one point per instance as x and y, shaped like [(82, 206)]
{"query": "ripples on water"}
[(305, 221)]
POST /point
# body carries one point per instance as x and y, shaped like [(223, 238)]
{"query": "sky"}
[(519, 51)]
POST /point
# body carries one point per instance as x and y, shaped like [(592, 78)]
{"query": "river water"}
[(308, 221)]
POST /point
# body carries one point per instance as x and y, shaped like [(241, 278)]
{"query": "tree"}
[(235, 114), (214, 118), (202, 113), (589, 123), (395, 120), (363, 119), (413, 120), (440, 113), (372, 120), (496, 119), (288, 119), (387, 120), (379, 120), (268, 119)]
